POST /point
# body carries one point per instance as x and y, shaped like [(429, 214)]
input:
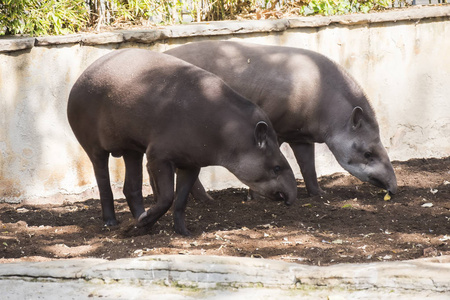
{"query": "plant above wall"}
[(42, 17), (54, 17), (340, 7)]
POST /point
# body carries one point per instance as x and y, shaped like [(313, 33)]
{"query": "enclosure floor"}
[(350, 224)]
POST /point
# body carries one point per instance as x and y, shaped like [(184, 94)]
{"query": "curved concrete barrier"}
[(214, 277)]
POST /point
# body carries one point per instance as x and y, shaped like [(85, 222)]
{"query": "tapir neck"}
[(338, 120), (331, 124)]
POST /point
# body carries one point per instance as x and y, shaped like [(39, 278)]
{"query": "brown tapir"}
[(308, 98), (134, 101)]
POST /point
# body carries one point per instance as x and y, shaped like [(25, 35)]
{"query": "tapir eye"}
[(368, 155), (277, 170)]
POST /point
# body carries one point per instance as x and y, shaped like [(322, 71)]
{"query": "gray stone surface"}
[(102, 38), (145, 36), (58, 39), (227, 27), (212, 277), (11, 44)]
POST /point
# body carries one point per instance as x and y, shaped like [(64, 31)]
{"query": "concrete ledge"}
[(102, 38), (228, 27), (146, 36), (225, 28), (16, 44), (57, 40), (423, 277)]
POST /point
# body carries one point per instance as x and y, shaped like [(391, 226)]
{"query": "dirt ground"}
[(351, 223)]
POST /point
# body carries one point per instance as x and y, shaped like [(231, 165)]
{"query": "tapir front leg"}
[(304, 153), (100, 163), (132, 188), (162, 174), (185, 181)]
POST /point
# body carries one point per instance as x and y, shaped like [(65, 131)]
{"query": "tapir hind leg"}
[(304, 153), (100, 163), (132, 188), (199, 192), (162, 175), (185, 181)]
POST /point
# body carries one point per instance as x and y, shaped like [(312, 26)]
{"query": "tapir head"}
[(262, 166), (358, 149)]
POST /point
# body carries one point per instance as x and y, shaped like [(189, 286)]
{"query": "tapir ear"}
[(357, 115), (261, 134)]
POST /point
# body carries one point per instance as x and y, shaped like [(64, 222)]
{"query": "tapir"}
[(135, 101), (309, 99)]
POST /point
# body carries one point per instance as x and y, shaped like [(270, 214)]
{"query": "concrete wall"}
[(401, 59)]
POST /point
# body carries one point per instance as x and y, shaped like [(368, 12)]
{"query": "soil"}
[(351, 223)]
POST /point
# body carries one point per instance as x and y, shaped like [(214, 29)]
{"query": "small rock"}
[(428, 204), (430, 252), (445, 238), (266, 226)]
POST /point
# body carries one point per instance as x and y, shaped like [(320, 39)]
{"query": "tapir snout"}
[(274, 180), (285, 189), (384, 178), (359, 150)]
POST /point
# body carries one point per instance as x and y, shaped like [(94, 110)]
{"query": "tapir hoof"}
[(112, 222), (145, 220), (179, 225), (317, 192), (142, 216), (183, 231)]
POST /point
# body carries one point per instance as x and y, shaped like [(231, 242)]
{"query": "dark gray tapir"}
[(135, 101), (308, 98)]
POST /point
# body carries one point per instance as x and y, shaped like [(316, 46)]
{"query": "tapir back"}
[(125, 99), (295, 87)]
